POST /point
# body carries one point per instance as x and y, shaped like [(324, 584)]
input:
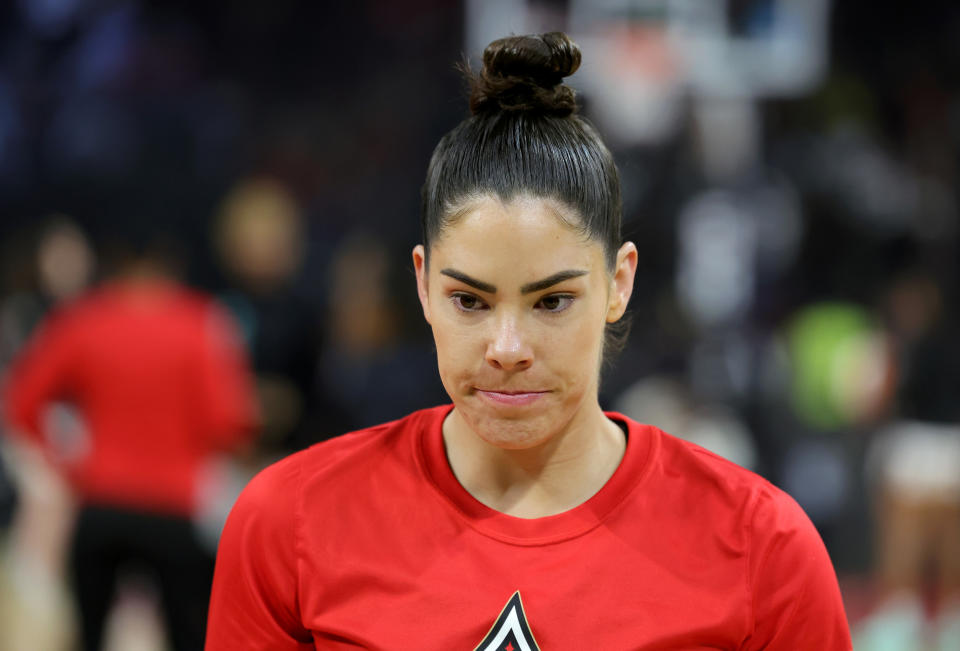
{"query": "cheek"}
[(577, 351), (570, 354), (456, 349)]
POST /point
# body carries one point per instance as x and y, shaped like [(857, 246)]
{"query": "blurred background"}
[(790, 175)]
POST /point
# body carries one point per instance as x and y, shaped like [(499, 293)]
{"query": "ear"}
[(621, 285), (420, 268)]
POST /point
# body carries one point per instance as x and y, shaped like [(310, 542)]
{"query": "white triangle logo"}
[(510, 632)]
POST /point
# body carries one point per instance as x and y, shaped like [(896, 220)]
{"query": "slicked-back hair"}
[(525, 138), (509, 154)]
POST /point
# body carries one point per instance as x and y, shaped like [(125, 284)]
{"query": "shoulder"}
[(65, 322), (187, 300), (200, 316), (77, 309), (715, 492), (326, 476), (788, 573), (772, 517), (345, 462), (694, 468)]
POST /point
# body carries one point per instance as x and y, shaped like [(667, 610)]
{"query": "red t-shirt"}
[(368, 541), (160, 379)]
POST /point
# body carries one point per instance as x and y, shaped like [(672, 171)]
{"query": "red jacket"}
[(160, 379)]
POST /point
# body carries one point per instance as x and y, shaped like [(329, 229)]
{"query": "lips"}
[(512, 398)]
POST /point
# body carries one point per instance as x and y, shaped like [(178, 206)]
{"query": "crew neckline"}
[(641, 448)]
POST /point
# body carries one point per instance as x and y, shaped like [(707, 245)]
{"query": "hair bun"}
[(525, 73)]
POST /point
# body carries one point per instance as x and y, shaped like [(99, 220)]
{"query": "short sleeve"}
[(254, 603), (795, 596)]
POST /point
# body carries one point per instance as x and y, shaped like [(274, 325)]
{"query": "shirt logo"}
[(510, 632)]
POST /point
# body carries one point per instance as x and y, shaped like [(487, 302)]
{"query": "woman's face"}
[(518, 301)]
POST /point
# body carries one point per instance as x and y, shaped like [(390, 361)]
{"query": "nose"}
[(508, 348)]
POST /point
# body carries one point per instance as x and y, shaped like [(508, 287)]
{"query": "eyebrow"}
[(550, 281), (467, 280), (529, 288)]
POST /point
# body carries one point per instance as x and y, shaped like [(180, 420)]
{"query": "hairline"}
[(568, 215)]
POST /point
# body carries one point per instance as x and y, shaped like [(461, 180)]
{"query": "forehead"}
[(523, 232)]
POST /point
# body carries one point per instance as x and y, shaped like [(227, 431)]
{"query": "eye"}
[(467, 302), (555, 302)]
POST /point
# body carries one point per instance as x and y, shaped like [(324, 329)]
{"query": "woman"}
[(522, 516), (157, 374)]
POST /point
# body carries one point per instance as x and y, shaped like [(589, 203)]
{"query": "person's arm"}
[(795, 596), (255, 600), (40, 374), (229, 401)]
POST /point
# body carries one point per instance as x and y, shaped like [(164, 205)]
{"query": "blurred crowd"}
[(795, 308)]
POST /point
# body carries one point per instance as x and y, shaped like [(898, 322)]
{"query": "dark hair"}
[(524, 137)]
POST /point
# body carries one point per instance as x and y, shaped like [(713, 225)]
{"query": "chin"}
[(511, 432)]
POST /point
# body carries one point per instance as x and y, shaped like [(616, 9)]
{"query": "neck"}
[(556, 476)]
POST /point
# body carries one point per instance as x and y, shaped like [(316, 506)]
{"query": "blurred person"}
[(260, 238), (829, 379), (159, 379), (47, 268), (58, 267), (522, 515), (914, 475), (371, 370)]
